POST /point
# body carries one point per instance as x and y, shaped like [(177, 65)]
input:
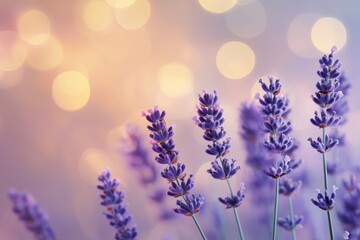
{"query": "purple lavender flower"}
[(346, 235), (274, 109), (282, 169), (163, 144), (323, 145), (224, 170), (210, 119), (34, 218), (289, 224), (116, 211), (325, 120), (133, 149), (325, 202), (326, 97), (253, 133), (190, 205), (288, 187), (234, 201)]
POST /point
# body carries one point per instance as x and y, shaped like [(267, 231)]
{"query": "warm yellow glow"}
[(12, 51), (45, 56), (217, 6), (71, 90), (134, 16), (34, 27), (175, 79), (299, 35), (10, 79), (92, 163), (235, 60), (328, 32), (120, 3), (97, 15), (247, 20)]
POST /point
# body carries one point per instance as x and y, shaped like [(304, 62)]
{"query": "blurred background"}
[(73, 73)]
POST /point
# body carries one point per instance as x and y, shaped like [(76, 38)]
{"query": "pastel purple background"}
[(56, 154)]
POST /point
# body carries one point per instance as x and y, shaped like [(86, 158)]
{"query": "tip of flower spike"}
[(333, 49), (346, 235), (150, 110), (318, 191), (335, 188)]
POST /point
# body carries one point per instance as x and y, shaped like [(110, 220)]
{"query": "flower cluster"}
[(290, 224), (28, 211), (116, 211), (164, 146), (133, 149), (234, 201), (210, 119), (325, 202), (288, 187), (274, 110)]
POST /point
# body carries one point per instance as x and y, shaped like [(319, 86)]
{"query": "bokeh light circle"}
[(97, 15), (45, 56), (120, 3), (248, 20), (235, 60), (175, 79), (71, 90), (217, 6), (34, 27), (135, 16), (299, 35), (12, 51), (328, 32)]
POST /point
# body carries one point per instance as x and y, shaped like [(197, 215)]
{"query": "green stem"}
[(330, 225), (236, 214), (326, 188), (324, 164), (199, 228), (276, 204), (293, 233)]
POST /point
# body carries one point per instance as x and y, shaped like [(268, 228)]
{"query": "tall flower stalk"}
[(180, 185), (274, 109), (326, 96), (29, 212), (210, 119), (116, 211)]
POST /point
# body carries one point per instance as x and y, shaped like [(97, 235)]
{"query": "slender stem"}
[(324, 163), (199, 228), (193, 217), (293, 233), (276, 205), (330, 225), (236, 213), (326, 188)]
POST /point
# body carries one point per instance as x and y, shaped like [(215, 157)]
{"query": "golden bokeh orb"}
[(235, 60), (97, 15), (34, 27), (175, 79), (135, 16), (328, 32), (71, 90), (217, 6), (12, 51)]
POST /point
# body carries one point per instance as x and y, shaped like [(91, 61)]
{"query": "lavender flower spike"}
[(282, 169), (326, 202), (28, 211), (164, 146), (323, 145), (116, 211)]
